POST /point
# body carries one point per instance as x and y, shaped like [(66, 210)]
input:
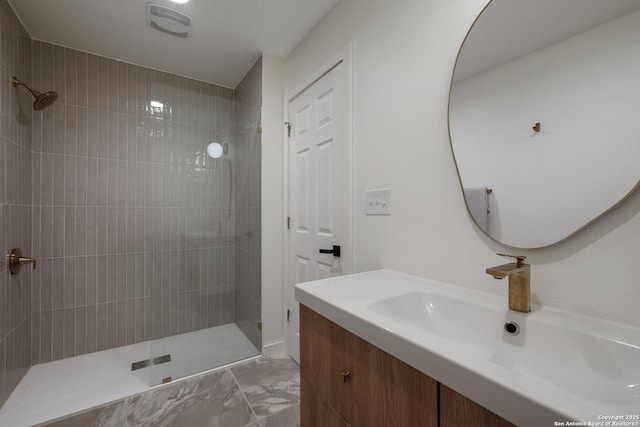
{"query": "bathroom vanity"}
[(346, 381), (384, 348)]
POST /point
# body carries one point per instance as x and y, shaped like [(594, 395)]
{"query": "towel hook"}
[(536, 127)]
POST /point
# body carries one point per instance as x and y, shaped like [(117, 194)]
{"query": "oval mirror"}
[(544, 116)]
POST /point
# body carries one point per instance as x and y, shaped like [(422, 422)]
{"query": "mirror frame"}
[(597, 218)]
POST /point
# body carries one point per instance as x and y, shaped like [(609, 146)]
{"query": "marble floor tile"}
[(213, 400), (77, 384), (270, 385), (93, 417), (289, 417), (260, 393)]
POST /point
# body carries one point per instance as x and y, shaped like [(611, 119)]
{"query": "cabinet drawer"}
[(380, 389), (388, 392), (315, 412), (326, 351), (457, 410)]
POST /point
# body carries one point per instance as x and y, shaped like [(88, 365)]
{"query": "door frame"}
[(344, 57)]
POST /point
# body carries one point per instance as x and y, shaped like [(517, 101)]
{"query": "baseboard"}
[(276, 349)]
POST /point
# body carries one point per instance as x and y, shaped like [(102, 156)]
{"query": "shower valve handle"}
[(16, 260)]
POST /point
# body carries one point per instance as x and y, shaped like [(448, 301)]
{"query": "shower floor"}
[(54, 389)]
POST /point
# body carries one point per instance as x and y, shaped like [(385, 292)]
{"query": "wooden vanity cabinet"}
[(347, 381), (363, 384), (457, 410), (315, 411), (326, 349)]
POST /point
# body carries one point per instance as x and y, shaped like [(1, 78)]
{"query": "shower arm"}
[(17, 83)]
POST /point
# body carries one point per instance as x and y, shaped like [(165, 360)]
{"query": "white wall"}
[(404, 52), (272, 206), (547, 185)]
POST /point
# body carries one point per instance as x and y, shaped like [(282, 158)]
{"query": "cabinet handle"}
[(345, 375)]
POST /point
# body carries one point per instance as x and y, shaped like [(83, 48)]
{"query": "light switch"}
[(378, 202)]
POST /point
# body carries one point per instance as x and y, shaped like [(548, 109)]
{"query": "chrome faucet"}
[(519, 275)]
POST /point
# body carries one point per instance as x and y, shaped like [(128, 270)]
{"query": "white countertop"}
[(562, 366)]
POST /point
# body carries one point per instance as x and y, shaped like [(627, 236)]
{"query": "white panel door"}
[(318, 180)]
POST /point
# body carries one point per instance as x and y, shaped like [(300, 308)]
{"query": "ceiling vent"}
[(168, 20)]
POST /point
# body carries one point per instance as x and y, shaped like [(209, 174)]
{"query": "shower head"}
[(42, 100)]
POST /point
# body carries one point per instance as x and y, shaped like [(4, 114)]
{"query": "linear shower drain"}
[(150, 362)]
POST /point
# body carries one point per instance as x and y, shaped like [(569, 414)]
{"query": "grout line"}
[(244, 395)]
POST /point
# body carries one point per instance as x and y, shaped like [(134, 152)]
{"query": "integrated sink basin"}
[(559, 366), (448, 317)]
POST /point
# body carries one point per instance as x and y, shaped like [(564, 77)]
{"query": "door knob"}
[(335, 251)]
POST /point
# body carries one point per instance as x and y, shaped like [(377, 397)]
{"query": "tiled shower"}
[(137, 232), (15, 201)]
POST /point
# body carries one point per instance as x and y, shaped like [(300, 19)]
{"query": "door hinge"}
[(288, 223), (288, 125), (259, 326), (259, 129), (288, 314)]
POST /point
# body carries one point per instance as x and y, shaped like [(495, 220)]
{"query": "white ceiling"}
[(228, 35), (510, 29)]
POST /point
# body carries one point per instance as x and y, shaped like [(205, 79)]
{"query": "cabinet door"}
[(457, 410), (314, 411), (390, 393), (326, 351)]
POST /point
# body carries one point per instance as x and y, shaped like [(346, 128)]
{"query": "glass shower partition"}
[(206, 304)]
